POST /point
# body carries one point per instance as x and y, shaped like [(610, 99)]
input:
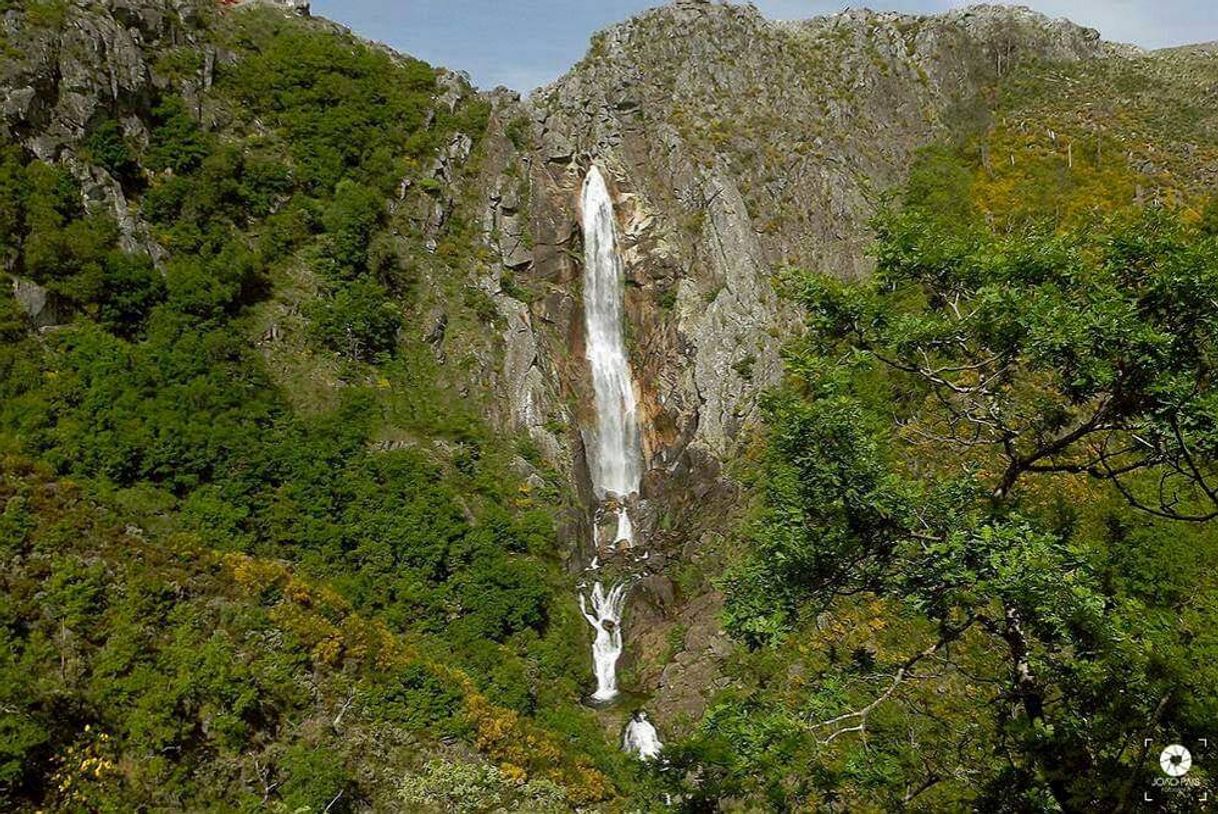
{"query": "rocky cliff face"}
[(98, 59), (69, 74), (737, 146)]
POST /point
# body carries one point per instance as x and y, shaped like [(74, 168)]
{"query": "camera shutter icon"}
[(1175, 760)]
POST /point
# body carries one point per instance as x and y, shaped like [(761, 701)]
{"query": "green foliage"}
[(131, 288), (1209, 217), (211, 600), (973, 435), (71, 260), (106, 147), (358, 321), (315, 778), (178, 141), (1098, 136), (13, 322), (518, 131), (74, 256), (942, 184), (469, 788), (667, 298), (1080, 342), (47, 13), (351, 221), (342, 110)]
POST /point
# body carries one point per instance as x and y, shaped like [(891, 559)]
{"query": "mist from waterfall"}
[(605, 616), (616, 460)]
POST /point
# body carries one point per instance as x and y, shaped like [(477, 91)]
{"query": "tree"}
[(358, 321), (107, 147), (1052, 354), (938, 414), (178, 142)]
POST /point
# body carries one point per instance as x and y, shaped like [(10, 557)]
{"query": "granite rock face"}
[(102, 58), (736, 147), (739, 146)]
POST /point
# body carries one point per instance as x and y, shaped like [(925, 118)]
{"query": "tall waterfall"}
[(617, 459), (605, 616)]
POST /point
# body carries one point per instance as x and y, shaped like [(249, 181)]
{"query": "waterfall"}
[(641, 737), (605, 617), (616, 459), (616, 462)]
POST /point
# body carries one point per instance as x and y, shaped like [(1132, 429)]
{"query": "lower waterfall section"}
[(641, 738), (625, 529), (605, 616)]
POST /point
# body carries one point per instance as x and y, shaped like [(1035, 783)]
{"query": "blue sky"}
[(526, 43)]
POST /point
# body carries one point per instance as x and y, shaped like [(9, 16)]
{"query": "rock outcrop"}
[(739, 146), (95, 62)]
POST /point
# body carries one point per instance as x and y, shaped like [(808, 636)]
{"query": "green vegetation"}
[(990, 495), (259, 550), (1068, 141), (977, 579), (212, 599)]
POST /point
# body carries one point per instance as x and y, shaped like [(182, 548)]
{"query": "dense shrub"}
[(106, 147), (215, 595), (358, 321)]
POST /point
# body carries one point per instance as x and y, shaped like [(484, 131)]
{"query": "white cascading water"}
[(616, 462), (605, 616), (641, 738), (617, 458)]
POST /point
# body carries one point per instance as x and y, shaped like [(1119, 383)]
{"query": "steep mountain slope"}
[(743, 145), (296, 407)]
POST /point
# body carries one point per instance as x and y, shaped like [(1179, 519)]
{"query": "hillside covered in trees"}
[(222, 588), (294, 505)]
